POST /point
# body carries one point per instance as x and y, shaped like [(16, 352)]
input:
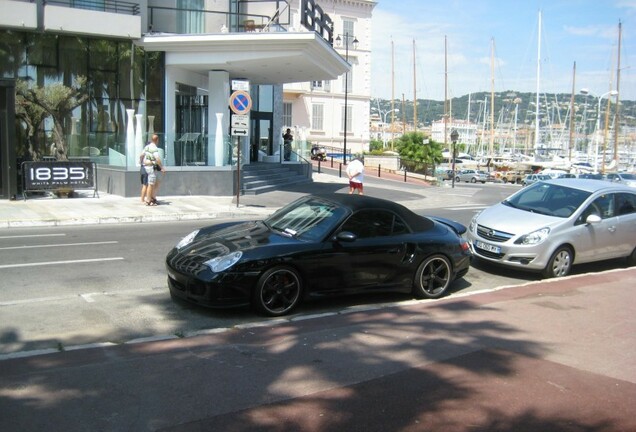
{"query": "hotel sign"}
[(315, 19)]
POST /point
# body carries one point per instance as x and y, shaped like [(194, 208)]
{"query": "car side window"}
[(374, 223), (602, 207), (625, 204)]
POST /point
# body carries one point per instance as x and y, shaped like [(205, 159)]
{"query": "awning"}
[(261, 58)]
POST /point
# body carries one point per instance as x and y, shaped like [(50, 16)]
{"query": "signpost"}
[(240, 104)]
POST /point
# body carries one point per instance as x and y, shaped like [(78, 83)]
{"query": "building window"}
[(317, 116), (348, 28), (349, 111), (189, 19), (287, 114), (316, 85)]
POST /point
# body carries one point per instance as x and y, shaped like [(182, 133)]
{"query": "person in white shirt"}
[(355, 172)]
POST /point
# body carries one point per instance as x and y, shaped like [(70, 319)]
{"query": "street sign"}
[(239, 120), (240, 85), (239, 131), (240, 102)]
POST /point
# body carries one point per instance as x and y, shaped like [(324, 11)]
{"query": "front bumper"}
[(531, 258)]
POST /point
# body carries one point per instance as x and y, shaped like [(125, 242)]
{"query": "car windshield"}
[(548, 199), (306, 219)]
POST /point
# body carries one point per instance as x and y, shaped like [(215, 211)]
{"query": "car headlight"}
[(534, 238), (187, 239), (224, 262), (473, 223)]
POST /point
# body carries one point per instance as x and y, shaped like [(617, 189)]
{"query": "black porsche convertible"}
[(318, 245)]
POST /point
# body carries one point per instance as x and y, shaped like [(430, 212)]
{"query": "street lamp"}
[(454, 136), (383, 115), (355, 45), (598, 124)]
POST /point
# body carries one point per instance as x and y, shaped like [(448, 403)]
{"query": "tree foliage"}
[(419, 153), (57, 101)]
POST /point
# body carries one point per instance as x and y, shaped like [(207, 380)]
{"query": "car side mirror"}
[(593, 219), (345, 236)]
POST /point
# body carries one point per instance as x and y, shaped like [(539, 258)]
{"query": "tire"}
[(473, 180), (505, 180), (560, 263), (433, 277), (458, 180), (631, 260), (278, 291)]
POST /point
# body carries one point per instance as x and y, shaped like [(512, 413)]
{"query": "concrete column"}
[(218, 102)]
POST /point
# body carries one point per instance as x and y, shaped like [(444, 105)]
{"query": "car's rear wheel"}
[(560, 263), (433, 277), (473, 180), (278, 291), (457, 179)]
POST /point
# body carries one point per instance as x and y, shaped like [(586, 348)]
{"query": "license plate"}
[(487, 247)]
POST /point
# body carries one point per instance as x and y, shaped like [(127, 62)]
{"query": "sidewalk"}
[(558, 355), (85, 209)]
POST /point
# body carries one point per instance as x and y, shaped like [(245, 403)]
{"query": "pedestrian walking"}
[(355, 172)]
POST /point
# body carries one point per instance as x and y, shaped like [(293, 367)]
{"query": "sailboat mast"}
[(414, 91), (392, 94), (572, 113), (536, 113), (618, 95), (491, 146)]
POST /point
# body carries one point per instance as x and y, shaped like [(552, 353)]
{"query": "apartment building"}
[(324, 110), (206, 75)]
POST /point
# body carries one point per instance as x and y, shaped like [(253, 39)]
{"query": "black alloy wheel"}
[(278, 291), (433, 277)]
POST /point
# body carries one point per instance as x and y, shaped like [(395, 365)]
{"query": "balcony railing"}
[(163, 19), (114, 6)]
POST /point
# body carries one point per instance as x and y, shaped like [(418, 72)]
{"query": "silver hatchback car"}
[(551, 225)]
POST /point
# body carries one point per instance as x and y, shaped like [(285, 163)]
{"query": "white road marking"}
[(59, 245), (6, 266), (32, 235)]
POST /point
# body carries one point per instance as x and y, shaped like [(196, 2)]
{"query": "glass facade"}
[(119, 76)]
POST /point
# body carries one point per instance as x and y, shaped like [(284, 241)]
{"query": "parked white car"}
[(551, 225), (623, 178), (533, 178), (473, 176)]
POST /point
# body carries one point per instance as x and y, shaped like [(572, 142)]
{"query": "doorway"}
[(8, 163), (191, 129), (261, 135)]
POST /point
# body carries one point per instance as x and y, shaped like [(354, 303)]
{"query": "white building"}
[(174, 67), (319, 108)]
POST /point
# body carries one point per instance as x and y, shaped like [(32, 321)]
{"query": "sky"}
[(581, 31)]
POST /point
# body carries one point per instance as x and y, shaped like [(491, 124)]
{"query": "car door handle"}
[(612, 229)]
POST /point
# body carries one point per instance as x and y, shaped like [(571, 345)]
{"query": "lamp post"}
[(598, 123), (383, 117), (454, 135), (355, 44)]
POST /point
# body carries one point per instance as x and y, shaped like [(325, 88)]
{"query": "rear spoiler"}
[(456, 226)]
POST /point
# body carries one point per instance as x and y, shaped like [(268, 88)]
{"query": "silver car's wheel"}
[(473, 180), (278, 291), (560, 263), (433, 277), (631, 260)]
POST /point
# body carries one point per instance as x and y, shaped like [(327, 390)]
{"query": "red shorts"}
[(355, 185)]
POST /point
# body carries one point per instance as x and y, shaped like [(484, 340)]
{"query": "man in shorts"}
[(355, 172), (151, 159)]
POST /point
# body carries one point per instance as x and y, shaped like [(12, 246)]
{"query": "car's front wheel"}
[(560, 263), (433, 277), (278, 291), (457, 180), (473, 180)]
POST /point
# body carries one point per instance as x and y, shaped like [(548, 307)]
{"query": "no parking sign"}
[(240, 102)]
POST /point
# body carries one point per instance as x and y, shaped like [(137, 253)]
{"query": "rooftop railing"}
[(114, 6), (162, 19)]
